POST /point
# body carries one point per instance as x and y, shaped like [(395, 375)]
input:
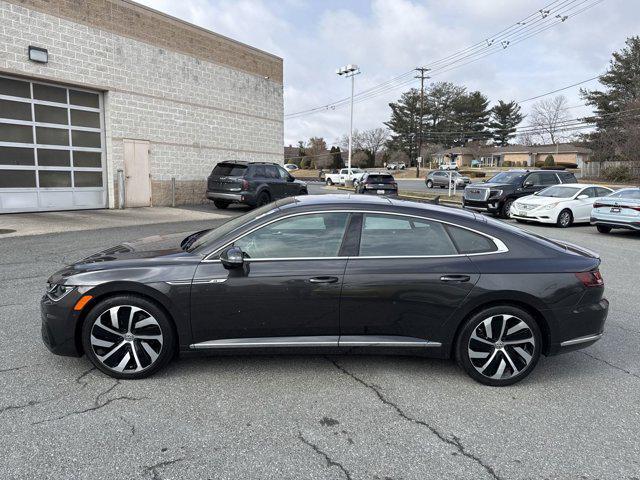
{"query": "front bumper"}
[(540, 217), (60, 325), (490, 206)]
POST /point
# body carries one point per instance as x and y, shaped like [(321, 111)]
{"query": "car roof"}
[(246, 162), (363, 202)]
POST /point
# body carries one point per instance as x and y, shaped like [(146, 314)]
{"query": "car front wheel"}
[(329, 182), (506, 208), (128, 337), (565, 219), (499, 346), (429, 184)]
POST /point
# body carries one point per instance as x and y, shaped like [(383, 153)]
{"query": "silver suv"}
[(440, 178)]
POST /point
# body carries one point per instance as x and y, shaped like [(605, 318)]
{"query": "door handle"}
[(455, 278), (323, 279)]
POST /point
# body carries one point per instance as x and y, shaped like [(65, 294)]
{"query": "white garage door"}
[(51, 147)]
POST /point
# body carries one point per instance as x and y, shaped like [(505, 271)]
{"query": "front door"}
[(137, 185), (286, 294), (407, 280)]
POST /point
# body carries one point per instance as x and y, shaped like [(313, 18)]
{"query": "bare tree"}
[(548, 117), (372, 140)]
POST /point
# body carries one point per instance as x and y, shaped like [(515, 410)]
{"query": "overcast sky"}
[(387, 38)]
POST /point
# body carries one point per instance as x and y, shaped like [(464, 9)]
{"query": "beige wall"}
[(559, 158)]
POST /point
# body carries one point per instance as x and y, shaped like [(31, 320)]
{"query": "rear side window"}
[(272, 171), (229, 170), (629, 193), (567, 177), (470, 242), (397, 236)]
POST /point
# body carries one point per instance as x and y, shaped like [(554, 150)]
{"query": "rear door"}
[(276, 183), (406, 281), (227, 177)]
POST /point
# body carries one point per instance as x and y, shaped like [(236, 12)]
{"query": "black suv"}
[(377, 184), (498, 193), (252, 183)]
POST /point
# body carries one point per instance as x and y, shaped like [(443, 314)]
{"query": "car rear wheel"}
[(221, 204), (128, 337), (429, 184), (565, 218), (499, 346), (329, 182), (263, 199), (603, 228), (506, 208)]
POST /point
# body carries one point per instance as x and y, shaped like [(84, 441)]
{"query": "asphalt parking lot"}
[(577, 416)]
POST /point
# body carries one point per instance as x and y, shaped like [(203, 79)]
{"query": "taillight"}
[(591, 279), (245, 185), (598, 205)]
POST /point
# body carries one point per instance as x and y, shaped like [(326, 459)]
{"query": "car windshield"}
[(559, 191), (379, 178), (507, 177), (628, 193), (229, 170), (226, 228)]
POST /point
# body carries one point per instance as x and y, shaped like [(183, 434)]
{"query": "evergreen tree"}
[(617, 132), (470, 117), (403, 122), (505, 118)]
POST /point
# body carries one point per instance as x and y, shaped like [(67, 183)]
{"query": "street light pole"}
[(349, 71)]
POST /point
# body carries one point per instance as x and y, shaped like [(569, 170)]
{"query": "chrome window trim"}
[(501, 247)]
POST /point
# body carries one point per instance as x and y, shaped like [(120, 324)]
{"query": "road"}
[(324, 417)]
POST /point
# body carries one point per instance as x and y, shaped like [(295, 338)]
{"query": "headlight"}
[(56, 291), (495, 193)]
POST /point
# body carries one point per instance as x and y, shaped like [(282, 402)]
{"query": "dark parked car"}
[(377, 184), (440, 178), (332, 273), (252, 183), (498, 194)]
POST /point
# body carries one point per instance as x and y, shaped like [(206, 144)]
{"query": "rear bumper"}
[(630, 225), (241, 197), (578, 328), (387, 193)]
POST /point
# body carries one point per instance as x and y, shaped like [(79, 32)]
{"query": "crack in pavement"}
[(91, 409), (153, 469), (330, 462), (80, 378), (13, 369), (30, 403), (454, 442), (102, 394), (610, 364), (130, 425)]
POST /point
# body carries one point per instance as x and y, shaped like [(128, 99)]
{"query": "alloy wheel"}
[(564, 219), (501, 347), (126, 339)]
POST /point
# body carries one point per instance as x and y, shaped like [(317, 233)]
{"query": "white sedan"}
[(562, 205)]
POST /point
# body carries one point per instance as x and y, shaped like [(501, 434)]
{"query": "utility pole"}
[(422, 76), (349, 71)]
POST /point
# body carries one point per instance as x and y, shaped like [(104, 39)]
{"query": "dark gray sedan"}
[(440, 178)]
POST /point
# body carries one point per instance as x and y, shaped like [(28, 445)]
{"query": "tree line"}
[(451, 116)]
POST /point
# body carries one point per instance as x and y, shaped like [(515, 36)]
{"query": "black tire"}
[(603, 228), (429, 184), (221, 204), (303, 192), (139, 357), (505, 211), (497, 363), (565, 218), (521, 221), (329, 182), (263, 199)]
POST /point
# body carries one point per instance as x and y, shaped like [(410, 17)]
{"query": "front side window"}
[(283, 174), (535, 179), (397, 236), (315, 235), (559, 191), (549, 179)]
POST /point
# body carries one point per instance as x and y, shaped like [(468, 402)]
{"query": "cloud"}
[(390, 37)]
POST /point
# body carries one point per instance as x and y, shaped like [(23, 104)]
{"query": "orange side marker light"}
[(82, 302)]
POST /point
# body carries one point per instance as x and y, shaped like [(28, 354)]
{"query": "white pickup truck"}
[(343, 175)]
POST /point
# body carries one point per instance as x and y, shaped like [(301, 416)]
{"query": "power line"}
[(564, 11)]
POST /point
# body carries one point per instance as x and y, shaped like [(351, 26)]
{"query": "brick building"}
[(89, 88)]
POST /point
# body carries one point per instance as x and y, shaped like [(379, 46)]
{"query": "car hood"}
[(538, 200)]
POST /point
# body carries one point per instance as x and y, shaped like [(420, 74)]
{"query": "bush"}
[(507, 163), (472, 173), (618, 173), (549, 161)]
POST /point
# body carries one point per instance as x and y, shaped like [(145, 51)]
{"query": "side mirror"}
[(583, 197), (528, 183), (232, 258)]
